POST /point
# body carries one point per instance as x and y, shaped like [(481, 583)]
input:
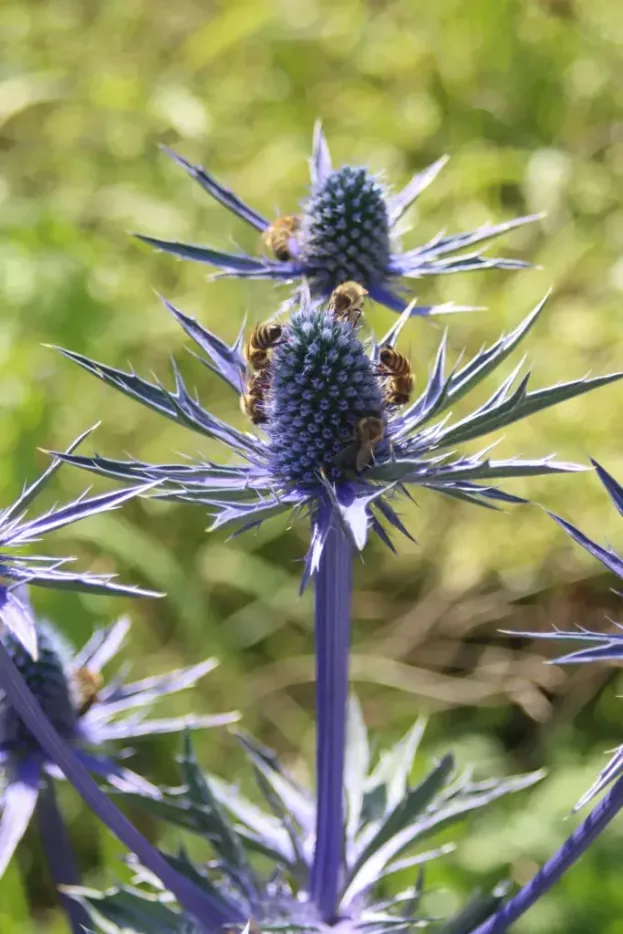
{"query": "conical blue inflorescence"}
[(346, 231), (48, 679), (322, 385)]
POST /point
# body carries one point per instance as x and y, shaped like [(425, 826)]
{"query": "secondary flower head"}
[(87, 713), (337, 434), (346, 230), (596, 646), (389, 829), (16, 568)]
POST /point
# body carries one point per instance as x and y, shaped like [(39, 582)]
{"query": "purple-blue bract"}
[(16, 568), (348, 230), (596, 647), (293, 462), (87, 722)]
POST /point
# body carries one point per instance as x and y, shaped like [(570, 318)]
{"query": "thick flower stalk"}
[(88, 715), (599, 647), (16, 569), (332, 634), (346, 230), (388, 830)]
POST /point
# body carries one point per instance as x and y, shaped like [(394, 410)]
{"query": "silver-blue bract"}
[(293, 461), (87, 713), (347, 229), (16, 568), (261, 858), (596, 646)]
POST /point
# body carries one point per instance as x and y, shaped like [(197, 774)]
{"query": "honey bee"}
[(279, 235), (89, 684), (252, 402), (261, 340), (398, 378), (369, 431), (346, 302)]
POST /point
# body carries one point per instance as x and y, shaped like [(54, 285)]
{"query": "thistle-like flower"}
[(17, 569), (390, 825), (341, 440), (88, 715), (345, 231), (318, 387)]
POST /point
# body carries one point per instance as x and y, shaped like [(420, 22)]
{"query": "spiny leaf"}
[(475, 912), (498, 414), (127, 909), (405, 812), (225, 840), (357, 761)]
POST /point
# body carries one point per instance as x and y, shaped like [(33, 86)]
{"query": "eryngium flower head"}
[(597, 646), (321, 383), (49, 679), (17, 569), (347, 229), (86, 712), (390, 826)]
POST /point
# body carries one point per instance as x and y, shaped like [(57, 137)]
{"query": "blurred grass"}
[(527, 98)]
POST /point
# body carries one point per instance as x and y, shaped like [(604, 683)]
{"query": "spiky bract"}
[(389, 829), (321, 368), (346, 230)]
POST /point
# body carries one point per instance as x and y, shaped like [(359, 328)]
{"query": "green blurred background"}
[(527, 98)]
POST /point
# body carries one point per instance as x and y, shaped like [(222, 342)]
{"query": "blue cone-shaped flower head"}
[(86, 712), (49, 679), (337, 432), (16, 532), (322, 385), (594, 646), (346, 230)]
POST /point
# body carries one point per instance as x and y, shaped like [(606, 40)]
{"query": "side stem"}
[(554, 868), (59, 855), (332, 634), (206, 910)]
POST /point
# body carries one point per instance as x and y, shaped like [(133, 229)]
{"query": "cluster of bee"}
[(346, 304), (395, 372), (89, 683), (278, 238), (262, 340)]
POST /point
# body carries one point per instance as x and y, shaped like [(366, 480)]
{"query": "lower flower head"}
[(322, 386), (346, 230), (49, 679)]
